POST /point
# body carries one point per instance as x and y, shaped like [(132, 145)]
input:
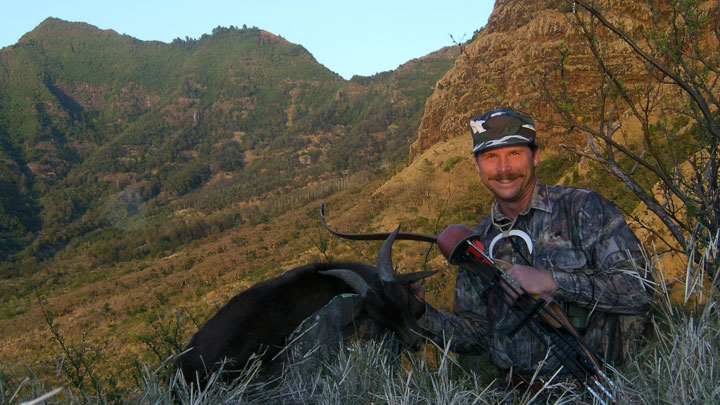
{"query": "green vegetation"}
[(99, 130), (121, 159), (554, 167)]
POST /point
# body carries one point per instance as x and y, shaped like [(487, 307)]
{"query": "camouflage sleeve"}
[(465, 329), (615, 279)]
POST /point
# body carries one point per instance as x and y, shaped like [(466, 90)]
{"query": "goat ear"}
[(409, 278)]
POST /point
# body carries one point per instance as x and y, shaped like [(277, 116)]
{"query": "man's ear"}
[(536, 157)]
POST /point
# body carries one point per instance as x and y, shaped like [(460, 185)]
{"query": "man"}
[(583, 254)]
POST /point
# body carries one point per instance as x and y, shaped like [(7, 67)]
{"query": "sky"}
[(360, 37)]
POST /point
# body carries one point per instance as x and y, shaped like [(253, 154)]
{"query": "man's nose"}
[(503, 165)]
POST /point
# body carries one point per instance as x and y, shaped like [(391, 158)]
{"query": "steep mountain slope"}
[(523, 45), (98, 127), (138, 179)]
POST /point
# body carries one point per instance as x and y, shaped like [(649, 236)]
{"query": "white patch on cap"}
[(498, 142), (477, 126)]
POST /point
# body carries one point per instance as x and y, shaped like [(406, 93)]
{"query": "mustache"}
[(506, 177)]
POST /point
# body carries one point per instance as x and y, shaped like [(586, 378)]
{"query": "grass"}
[(679, 364), (682, 364)]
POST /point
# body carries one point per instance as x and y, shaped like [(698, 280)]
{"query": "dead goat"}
[(259, 319)]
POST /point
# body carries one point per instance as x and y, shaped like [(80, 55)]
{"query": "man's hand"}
[(534, 281)]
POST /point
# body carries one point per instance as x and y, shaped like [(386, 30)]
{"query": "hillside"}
[(129, 168), (144, 188), (523, 45), (98, 128)]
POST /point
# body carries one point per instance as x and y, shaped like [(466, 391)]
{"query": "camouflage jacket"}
[(595, 259)]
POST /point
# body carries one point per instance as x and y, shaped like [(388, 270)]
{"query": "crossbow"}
[(539, 313)]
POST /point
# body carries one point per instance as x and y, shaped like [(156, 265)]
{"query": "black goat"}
[(259, 319)]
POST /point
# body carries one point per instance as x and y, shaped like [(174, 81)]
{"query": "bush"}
[(187, 178)]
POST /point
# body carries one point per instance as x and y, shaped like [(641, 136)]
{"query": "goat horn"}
[(409, 278), (422, 237), (384, 259), (354, 280)]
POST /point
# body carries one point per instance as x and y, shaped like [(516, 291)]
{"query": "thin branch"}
[(662, 170), (699, 100), (667, 218)]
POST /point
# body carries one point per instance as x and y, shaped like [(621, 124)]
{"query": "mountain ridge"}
[(144, 111), (155, 176)]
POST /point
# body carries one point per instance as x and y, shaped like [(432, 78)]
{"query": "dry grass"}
[(678, 365)]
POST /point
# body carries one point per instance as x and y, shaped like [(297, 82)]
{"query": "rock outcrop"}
[(506, 62)]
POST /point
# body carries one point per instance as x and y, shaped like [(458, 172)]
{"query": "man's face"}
[(508, 172)]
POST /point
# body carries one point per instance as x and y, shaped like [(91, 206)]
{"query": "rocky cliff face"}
[(531, 52), (503, 65)]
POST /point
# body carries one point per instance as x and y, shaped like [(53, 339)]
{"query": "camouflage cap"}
[(501, 127)]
